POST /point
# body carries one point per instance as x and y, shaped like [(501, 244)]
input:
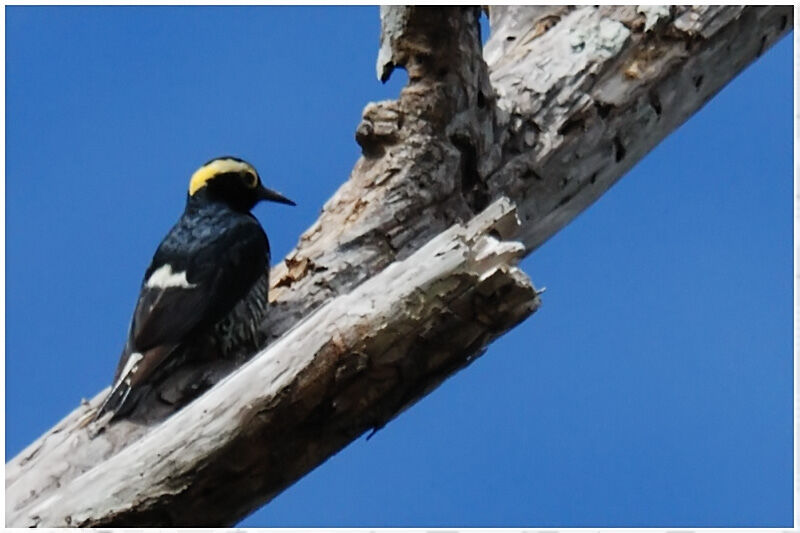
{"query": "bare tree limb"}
[(558, 106), (314, 388)]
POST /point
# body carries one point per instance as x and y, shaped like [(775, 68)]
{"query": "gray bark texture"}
[(409, 272)]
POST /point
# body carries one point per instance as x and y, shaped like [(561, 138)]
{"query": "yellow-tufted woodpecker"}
[(206, 265)]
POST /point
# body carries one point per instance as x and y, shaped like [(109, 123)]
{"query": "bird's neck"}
[(203, 201)]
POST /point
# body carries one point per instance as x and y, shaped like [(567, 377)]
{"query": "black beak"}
[(273, 196)]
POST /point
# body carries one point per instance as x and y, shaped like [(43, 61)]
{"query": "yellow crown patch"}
[(218, 166)]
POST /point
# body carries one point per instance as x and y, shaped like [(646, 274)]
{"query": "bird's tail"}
[(116, 402), (131, 380)]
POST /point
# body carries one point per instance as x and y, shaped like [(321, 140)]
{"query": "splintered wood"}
[(349, 367), (409, 271)]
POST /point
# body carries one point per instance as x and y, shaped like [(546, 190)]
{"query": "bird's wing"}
[(183, 295), (197, 288)]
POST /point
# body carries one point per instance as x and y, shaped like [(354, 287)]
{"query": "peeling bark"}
[(558, 106), (357, 359)]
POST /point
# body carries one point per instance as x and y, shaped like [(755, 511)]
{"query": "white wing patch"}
[(165, 278)]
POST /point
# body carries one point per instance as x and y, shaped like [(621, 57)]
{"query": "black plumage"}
[(206, 264)]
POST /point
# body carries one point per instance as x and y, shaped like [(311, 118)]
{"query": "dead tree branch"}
[(557, 107)]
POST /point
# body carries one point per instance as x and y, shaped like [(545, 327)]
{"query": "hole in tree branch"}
[(655, 102), (481, 100), (472, 187), (573, 124), (619, 149), (762, 46), (602, 109)]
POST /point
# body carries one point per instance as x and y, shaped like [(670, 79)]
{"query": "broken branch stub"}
[(567, 100)]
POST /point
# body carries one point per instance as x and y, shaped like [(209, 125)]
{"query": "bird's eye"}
[(251, 180)]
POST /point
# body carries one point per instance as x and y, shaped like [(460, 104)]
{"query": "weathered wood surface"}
[(327, 380), (558, 106)]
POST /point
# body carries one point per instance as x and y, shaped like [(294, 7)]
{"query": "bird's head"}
[(232, 181)]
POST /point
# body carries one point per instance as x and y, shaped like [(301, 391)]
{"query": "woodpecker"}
[(209, 261)]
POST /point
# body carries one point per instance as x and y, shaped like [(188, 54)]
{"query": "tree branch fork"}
[(410, 271)]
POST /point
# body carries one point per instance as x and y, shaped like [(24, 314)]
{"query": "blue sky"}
[(653, 388)]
